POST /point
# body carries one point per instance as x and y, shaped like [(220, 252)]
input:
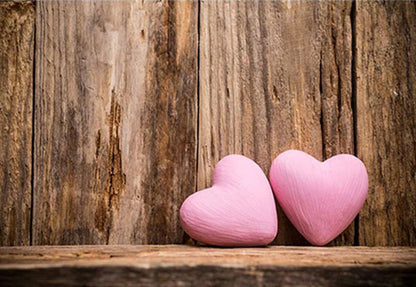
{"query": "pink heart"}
[(238, 210), (320, 198)]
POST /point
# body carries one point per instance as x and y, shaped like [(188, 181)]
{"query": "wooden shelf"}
[(180, 265)]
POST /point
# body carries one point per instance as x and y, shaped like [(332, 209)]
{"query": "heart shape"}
[(320, 198), (238, 210)]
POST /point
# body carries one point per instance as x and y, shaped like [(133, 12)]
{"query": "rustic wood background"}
[(111, 113)]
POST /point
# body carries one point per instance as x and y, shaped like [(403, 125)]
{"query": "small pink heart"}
[(238, 210), (320, 198)]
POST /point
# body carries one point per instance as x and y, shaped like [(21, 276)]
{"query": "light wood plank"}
[(17, 21), (115, 127), (386, 119), (172, 265), (275, 75)]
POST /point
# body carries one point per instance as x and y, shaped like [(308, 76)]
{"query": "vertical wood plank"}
[(115, 120), (270, 73), (386, 119), (337, 120), (16, 101)]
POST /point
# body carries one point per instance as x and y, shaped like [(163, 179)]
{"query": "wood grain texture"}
[(115, 120), (116, 109), (172, 265), (386, 119), (16, 101), (337, 118), (274, 75)]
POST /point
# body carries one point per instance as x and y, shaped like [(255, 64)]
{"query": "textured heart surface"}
[(320, 198), (238, 210)]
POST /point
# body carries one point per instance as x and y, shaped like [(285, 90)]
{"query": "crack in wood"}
[(354, 102), (109, 204), (116, 178)]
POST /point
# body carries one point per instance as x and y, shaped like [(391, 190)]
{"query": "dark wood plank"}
[(115, 120), (17, 21), (275, 75), (172, 265), (386, 119), (336, 78)]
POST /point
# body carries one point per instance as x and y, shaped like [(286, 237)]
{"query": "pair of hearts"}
[(320, 199)]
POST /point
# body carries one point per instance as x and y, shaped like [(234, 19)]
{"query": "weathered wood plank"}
[(115, 120), (337, 119), (193, 255), (274, 75), (211, 276), (16, 101), (386, 119), (184, 265)]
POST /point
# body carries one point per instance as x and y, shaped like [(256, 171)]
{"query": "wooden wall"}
[(111, 113)]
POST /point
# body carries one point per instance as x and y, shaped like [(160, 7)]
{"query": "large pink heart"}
[(238, 210), (320, 198)]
